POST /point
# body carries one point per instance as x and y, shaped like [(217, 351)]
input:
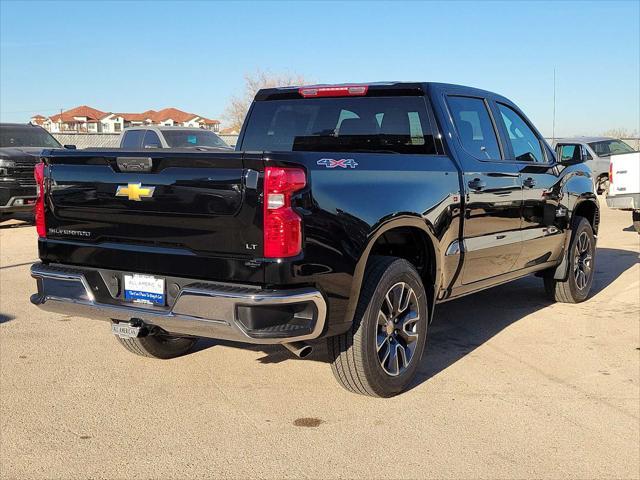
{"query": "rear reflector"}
[(282, 225), (337, 91), (38, 174), (610, 175)]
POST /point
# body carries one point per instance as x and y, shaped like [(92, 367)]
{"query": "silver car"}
[(595, 152), (154, 136)]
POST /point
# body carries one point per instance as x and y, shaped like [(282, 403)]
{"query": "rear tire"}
[(158, 346), (380, 354), (636, 220), (582, 254)]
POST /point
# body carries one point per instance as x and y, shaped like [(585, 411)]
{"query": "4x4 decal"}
[(342, 163)]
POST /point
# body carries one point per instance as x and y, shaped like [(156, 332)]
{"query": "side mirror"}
[(570, 154), (70, 147)]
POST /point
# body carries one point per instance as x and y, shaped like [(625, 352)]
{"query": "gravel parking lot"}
[(511, 386)]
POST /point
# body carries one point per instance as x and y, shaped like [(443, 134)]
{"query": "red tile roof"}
[(137, 117), (38, 119), (173, 114), (92, 114), (81, 111)]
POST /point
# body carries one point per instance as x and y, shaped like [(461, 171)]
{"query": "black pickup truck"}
[(20, 147), (347, 213)]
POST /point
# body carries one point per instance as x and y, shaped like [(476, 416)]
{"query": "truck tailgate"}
[(162, 212), (625, 174)]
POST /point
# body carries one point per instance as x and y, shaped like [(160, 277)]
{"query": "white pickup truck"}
[(624, 184)]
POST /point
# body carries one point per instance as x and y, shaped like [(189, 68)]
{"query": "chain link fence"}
[(110, 140)]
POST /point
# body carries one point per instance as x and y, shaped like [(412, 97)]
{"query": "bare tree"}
[(620, 133), (239, 104)]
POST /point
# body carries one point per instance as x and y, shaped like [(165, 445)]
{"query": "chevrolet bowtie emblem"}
[(135, 191)]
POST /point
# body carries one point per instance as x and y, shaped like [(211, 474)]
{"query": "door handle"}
[(477, 184), (529, 182)]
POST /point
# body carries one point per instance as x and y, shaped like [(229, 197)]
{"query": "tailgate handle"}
[(134, 164)]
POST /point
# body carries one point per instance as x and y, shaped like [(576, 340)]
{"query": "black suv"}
[(20, 146)]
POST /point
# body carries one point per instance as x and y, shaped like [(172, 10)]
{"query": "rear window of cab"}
[(349, 124)]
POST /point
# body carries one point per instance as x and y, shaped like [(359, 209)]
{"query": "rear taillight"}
[(610, 173), (282, 225), (38, 173), (334, 91)]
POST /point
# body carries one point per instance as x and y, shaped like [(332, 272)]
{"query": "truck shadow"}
[(17, 222), (462, 325), (5, 317)]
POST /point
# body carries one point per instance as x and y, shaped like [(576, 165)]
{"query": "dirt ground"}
[(511, 386)]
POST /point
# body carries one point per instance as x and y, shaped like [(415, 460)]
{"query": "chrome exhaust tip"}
[(299, 349)]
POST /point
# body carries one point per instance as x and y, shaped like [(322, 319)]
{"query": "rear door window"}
[(132, 139), (474, 126), (349, 124)]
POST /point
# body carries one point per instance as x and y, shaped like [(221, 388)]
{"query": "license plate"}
[(125, 330), (144, 289)]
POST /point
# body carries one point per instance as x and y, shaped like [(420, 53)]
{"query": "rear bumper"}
[(201, 309), (15, 197), (629, 201)]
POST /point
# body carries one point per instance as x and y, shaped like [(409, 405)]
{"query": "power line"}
[(31, 111)]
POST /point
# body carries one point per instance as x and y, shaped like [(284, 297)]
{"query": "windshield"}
[(192, 138), (26, 136), (345, 124), (607, 148)]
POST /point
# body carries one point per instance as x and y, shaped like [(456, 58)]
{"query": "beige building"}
[(85, 119)]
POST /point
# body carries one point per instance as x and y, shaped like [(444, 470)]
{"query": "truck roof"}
[(7, 124), (415, 88), (581, 139), (164, 127)]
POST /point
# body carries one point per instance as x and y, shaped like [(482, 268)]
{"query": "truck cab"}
[(595, 152), (155, 136)]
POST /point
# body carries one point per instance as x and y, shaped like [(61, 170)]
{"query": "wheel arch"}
[(585, 207), (407, 237)]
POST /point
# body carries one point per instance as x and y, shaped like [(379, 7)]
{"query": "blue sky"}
[(119, 56)]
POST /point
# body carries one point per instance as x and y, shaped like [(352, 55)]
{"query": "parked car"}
[(595, 152), (153, 136), (347, 213), (624, 186), (20, 146)]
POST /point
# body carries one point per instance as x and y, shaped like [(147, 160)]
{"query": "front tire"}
[(581, 256), (380, 354), (158, 346)]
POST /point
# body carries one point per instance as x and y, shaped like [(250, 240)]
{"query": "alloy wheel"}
[(583, 261), (397, 329)]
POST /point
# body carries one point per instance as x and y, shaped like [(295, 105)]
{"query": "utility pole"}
[(553, 128)]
